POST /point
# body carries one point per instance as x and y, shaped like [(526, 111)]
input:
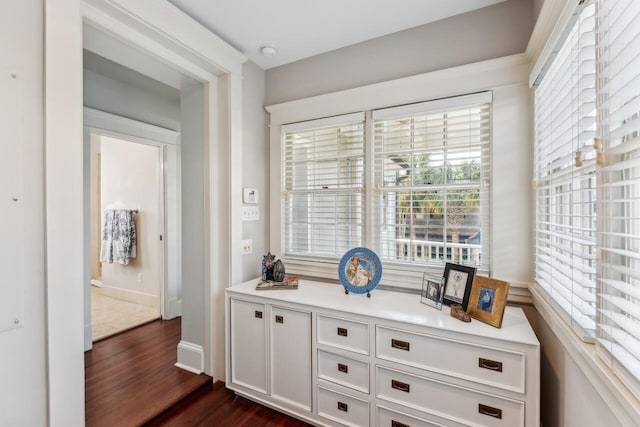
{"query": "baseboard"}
[(190, 357), (88, 337), (174, 309), (131, 296)]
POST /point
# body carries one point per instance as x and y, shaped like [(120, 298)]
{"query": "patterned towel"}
[(118, 236)]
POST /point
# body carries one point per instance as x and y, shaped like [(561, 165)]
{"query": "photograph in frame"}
[(458, 280), (488, 300), (432, 291)]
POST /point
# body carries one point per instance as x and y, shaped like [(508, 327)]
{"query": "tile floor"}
[(110, 316)]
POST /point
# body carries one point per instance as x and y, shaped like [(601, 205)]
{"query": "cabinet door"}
[(291, 357), (248, 345)]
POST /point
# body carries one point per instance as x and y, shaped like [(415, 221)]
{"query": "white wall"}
[(115, 89), (23, 384), (255, 158), (488, 33), (130, 178)]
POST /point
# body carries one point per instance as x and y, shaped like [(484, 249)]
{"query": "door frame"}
[(159, 29), (101, 123)]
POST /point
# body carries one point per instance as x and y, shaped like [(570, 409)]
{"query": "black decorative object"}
[(272, 270), (278, 271), (268, 262)]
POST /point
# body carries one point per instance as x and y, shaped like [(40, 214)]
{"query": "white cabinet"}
[(249, 344), (347, 360), (271, 348), (291, 356)]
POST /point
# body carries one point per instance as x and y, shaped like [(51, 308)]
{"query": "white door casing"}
[(160, 30)]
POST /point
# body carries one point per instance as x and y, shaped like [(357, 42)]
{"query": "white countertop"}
[(397, 306)]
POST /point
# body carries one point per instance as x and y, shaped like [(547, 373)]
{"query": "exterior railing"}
[(423, 250)]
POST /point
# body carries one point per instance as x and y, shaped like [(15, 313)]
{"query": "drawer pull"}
[(343, 332), (395, 423), (343, 407), (490, 411), (398, 385), (400, 345), (343, 368), (492, 365), (279, 319), (258, 314)]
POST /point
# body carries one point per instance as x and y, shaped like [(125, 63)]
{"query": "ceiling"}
[(299, 29)]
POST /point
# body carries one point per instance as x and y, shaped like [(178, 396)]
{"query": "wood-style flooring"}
[(131, 380), (214, 405)]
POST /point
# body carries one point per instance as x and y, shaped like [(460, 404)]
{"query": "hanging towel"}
[(119, 239)]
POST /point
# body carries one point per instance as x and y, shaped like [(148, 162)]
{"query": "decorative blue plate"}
[(360, 271)]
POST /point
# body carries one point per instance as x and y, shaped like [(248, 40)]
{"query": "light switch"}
[(250, 213)]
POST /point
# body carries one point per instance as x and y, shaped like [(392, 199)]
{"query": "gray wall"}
[(255, 163), (115, 89), (492, 32), (567, 398), (193, 220), (537, 5), (23, 380)]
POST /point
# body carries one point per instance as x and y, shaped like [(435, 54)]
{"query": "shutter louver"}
[(619, 193), (565, 166), (323, 177), (431, 163)]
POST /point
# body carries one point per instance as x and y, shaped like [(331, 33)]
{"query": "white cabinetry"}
[(334, 359), (249, 344), (291, 356)]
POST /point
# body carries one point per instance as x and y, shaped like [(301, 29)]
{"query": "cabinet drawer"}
[(390, 418), (342, 333), (448, 401), (343, 409), (486, 365), (344, 371)]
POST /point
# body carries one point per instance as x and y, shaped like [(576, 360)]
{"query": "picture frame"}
[(488, 300), (458, 280), (432, 291)]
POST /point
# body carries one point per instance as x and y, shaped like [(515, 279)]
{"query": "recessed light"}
[(268, 51)]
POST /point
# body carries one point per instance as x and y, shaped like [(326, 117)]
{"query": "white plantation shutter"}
[(323, 181), (565, 114), (619, 194), (431, 163)]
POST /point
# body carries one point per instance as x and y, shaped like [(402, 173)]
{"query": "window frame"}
[(396, 274)]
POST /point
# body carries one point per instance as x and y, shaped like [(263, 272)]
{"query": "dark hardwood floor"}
[(214, 405), (131, 380)]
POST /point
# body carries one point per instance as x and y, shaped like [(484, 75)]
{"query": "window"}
[(323, 179), (422, 175), (432, 172), (565, 177), (618, 331), (588, 125)]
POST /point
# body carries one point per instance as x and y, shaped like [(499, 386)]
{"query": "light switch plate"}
[(250, 213)]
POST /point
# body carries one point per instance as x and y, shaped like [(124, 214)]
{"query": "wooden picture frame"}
[(488, 300), (458, 280)]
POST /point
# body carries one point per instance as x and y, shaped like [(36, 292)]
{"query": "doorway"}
[(126, 194), (171, 36)]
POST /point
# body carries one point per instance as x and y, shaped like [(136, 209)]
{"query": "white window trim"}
[(622, 403), (507, 78)]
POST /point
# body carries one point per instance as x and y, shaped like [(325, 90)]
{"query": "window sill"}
[(622, 403)]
